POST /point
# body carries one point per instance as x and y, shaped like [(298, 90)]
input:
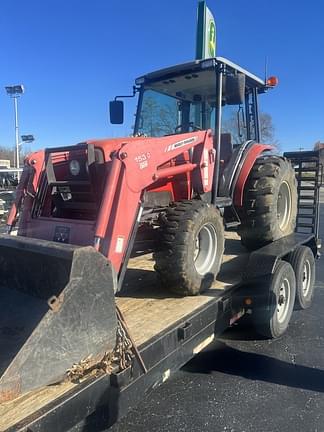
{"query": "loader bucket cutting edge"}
[(57, 308)]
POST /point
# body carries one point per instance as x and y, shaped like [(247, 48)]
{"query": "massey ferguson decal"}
[(181, 143)]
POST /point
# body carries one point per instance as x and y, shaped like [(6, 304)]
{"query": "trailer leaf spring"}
[(122, 355)]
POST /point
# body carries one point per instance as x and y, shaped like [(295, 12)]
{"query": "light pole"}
[(26, 139), (15, 92)]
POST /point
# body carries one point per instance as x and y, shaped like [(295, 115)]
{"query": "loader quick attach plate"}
[(57, 309)]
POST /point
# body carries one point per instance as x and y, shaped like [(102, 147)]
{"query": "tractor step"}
[(222, 202), (233, 224)]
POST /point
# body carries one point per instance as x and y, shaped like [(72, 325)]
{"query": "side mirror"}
[(234, 89), (116, 111)]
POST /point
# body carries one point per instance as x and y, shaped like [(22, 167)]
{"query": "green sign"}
[(212, 39), (206, 33)]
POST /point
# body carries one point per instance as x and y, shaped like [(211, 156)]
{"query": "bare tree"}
[(267, 128), (320, 147), (8, 153), (158, 119), (235, 125)]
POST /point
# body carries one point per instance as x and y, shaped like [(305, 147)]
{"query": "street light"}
[(15, 91), (27, 139)]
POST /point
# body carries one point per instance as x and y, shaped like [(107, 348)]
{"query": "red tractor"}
[(188, 173), (194, 166)]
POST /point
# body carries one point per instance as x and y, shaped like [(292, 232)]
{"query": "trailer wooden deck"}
[(148, 310)]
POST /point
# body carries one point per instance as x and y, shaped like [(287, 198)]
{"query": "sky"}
[(73, 56)]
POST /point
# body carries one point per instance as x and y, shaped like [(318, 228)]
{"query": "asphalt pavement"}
[(245, 384)]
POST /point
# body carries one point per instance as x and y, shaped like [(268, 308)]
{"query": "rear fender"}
[(253, 153)]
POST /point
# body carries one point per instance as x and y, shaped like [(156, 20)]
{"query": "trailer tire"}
[(269, 203), (191, 247), (271, 319), (303, 262)]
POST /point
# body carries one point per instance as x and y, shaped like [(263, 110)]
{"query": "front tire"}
[(270, 202), (192, 246)]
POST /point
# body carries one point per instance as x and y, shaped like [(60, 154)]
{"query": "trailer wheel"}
[(191, 248), (272, 319), (270, 202), (303, 263)]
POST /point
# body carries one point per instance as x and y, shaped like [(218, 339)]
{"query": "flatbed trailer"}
[(167, 331)]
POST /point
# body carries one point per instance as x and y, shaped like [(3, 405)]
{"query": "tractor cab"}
[(213, 93), (203, 94)]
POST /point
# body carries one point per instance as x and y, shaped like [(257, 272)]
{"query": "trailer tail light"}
[(272, 81), (248, 301)]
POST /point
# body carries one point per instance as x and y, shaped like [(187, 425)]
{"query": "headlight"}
[(74, 167)]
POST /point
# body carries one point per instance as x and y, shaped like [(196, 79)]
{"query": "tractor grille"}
[(67, 193)]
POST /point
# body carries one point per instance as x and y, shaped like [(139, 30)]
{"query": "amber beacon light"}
[(272, 81)]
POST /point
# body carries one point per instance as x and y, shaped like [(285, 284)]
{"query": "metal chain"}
[(124, 347), (122, 355)]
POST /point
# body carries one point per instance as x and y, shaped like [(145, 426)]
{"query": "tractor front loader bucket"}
[(57, 308)]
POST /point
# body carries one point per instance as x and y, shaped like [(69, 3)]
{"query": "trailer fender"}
[(253, 153)]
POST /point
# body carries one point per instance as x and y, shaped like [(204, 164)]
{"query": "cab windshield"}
[(176, 105)]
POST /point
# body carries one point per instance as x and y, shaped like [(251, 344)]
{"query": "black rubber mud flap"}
[(57, 308)]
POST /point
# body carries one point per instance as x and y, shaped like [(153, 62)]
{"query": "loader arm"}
[(135, 168)]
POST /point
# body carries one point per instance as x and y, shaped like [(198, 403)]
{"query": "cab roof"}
[(200, 65)]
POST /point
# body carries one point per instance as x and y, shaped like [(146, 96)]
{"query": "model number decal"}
[(181, 143), (142, 160)]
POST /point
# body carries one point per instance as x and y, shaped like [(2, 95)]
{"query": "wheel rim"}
[(306, 283), (283, 300), (284, 205), (205, 249)]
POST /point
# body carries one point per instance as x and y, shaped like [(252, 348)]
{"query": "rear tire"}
[(192, 246), (303, 263), (271, 320), (269, 203)]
